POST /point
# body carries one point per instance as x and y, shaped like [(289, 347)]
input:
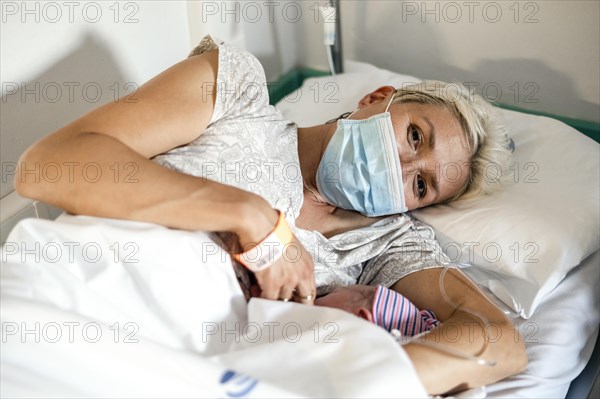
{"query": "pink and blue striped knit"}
[(392, 310)]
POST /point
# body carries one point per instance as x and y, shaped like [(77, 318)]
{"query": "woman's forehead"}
[(438, 114)]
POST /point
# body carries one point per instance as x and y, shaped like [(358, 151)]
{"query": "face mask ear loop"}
[(390, 103), (352, 113), (386, 109), (443, 348)]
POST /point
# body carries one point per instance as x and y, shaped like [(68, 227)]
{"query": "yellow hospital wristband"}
[(268, 250)]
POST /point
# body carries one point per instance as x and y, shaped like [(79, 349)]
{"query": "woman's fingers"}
[(286, 294), (272, 281), (289, 278), (306, 297), (306, 290), (269, 294)]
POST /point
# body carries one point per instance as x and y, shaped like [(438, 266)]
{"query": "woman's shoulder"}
[(208, 43), (241, 87), (233, 56)]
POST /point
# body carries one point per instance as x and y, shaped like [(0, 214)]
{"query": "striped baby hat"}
[(393, 311)]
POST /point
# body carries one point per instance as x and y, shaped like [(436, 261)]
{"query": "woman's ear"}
[(365, 314), (378, 95)]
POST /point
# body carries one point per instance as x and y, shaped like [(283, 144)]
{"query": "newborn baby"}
[(382, 306), (377, 304)]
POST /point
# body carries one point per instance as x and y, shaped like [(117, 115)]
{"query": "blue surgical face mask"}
[(360, 169)]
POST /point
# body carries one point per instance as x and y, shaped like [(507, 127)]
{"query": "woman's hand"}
[(289, 277)]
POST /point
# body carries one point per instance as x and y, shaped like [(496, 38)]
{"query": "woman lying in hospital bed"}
[(199, 148)]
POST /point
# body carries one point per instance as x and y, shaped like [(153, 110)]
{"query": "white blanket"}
[(101, 307)]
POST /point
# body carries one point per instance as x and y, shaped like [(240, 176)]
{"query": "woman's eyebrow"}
[(431, 133)]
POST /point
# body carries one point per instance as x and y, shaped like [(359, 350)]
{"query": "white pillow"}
[(324, 98), (524, 239)]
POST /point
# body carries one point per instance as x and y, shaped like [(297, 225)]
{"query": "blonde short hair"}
[(488, 141)]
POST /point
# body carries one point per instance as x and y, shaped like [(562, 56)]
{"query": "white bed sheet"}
[(559, 337), (179, 294)]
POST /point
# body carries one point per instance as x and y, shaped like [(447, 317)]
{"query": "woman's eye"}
[(415, 135), (421, 187)]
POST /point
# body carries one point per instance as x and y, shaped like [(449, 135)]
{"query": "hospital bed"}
[(557, 313)]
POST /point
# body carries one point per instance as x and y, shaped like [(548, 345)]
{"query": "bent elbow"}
[(19, 179), (27, 179)]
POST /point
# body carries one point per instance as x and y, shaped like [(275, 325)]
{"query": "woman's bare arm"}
[(105, 170), (104, 155), (462, 331)]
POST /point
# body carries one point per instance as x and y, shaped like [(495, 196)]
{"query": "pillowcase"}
[(520, 242)]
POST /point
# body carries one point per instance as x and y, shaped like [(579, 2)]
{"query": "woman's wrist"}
[(256, 220)]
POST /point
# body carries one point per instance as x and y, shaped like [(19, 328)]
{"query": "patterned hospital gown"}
[(250, 145)]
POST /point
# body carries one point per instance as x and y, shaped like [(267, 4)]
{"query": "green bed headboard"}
[(292, 80)]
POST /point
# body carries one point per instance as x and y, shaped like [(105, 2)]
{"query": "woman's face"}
[(431, 144)]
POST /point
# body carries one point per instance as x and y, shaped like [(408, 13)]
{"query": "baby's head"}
[(382, 306)]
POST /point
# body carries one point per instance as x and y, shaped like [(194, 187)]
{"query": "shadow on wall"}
[(273, 62), (78, 83), (278, 48), (532, 85), (414, 48)]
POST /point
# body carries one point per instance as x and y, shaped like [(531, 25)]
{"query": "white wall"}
[(271, 30), (60, 60), (544, 51)]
